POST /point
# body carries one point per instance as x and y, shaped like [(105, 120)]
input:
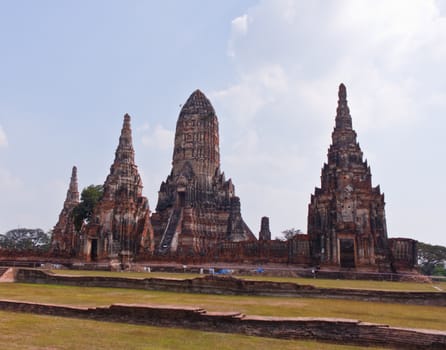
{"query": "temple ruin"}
[(198, 217), (265, 233), (197, 207), (64, 240), (346, 217), (120, 226)]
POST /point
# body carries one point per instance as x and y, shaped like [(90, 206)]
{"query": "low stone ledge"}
[(232, 286), (345, 331)]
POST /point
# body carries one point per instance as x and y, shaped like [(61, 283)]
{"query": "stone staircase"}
[(169, 233)]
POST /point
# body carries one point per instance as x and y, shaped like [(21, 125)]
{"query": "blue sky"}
[(70, 70)]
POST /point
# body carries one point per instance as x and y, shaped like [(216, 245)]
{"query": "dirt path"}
[(8, 276), (438, 288)]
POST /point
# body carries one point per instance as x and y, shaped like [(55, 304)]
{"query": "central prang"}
[(197, 207)]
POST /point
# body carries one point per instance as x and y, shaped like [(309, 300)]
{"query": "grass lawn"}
[(322, 283), (412, 316), (26, 331)]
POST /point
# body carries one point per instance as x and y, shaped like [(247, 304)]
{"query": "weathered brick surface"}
[(64, 240), (198, 215), (326, 329), (197, 207), (120, 227), (346, 216)]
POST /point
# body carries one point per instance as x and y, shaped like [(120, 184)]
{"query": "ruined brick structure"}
[(64, 239), (346, 219), (404, 253), (120, 226), (294, 251), (197, 207), (198, 217), (265, 233)]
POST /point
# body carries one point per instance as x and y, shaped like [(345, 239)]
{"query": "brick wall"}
[(324, 329), (233, 286)]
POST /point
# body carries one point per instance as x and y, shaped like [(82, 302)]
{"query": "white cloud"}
[(290, 57), (239, 27), (144, 127), (372, 46), (255, 90), (3, 138), (240, 24), (159, 138)]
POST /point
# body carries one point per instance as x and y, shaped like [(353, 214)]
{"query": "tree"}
[(90, 196), (290, 234), (439, 270), (431, 258), (23, 239)]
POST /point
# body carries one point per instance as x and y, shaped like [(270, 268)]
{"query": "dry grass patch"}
[(412, 316), (321, 283), (33, 332)]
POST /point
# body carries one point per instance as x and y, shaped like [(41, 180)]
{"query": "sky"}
[(70, 70)]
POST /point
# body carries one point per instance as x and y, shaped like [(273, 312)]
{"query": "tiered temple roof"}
[(346, 218), (64, 238), (120, 224)]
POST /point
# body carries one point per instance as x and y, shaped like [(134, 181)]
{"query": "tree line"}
[(38, 241)]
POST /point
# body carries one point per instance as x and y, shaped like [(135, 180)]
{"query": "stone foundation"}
[(342, 331), (233, 286)]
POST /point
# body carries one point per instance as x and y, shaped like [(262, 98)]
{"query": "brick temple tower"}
[(265, 232), (197, 207), (120, 225), (64, 238), (346, 218)]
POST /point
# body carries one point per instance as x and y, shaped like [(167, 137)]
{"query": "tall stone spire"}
[(124, 170), (125, 151), (344, 148), (343, 118), (73, 191), (346, 218), (197, 207), (197, 104), (64, 237), (120, 224), (196, 137)]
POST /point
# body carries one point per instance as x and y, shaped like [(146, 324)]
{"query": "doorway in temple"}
[(347, 250)]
